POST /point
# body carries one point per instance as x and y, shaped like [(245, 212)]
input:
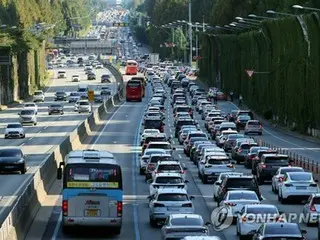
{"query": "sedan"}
[(14, 130), (279, 231), (12, 160), (178, 226), (60, 96), (55, 108), (236, 199), (278, 176)]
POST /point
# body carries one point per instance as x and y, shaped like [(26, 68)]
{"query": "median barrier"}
[(17, 223)]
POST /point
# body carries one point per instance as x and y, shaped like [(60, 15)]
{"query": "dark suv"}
[(269, 164), (238, 183), (12, 159), (182, 122), (255, 161), (154, 123)]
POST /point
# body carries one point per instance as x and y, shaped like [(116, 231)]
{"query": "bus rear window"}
[(131, 64), (93, 176), (133, 84)]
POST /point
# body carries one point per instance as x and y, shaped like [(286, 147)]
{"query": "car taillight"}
[(260, 126), (162, 128), (119, 209), (243, 219), (187, 205), (65, 207), (182, 172), (313, 185), (230, 204), (263, 166), (239, 150), (155, 172), (158, 205), (281, 179), (312, 208)]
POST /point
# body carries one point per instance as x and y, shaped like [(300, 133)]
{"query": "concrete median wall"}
[(19, 220)]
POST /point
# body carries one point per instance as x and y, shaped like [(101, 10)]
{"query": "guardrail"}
[(17, 223)]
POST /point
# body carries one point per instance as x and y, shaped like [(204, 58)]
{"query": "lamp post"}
[(247, 19), (261, 17), (306, 8), (190, 33), (279, 13)]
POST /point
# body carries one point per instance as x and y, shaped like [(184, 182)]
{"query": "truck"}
[(154, 58)]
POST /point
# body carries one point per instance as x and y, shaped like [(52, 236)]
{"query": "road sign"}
[(91, 95), (249, 72)]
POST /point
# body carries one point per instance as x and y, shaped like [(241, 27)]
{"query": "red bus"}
[(134, 90), (131, 67), (143, 82)]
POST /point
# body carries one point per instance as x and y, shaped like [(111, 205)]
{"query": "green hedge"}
[(289, 92)]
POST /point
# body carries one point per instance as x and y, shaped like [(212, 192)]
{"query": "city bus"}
[(92, 191), (134, 90), (143, 82), (131, 67)]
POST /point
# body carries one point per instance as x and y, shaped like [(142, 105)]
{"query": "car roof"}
[(169, 163), (275, 155), (186, 215), (161, 155), (167, 175), (241, 191), (14, 123)]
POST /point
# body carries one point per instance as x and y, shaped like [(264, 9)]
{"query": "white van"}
[(62, 74)]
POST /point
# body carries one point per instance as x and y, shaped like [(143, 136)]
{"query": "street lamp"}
[(249, 23), (279, 13), (255, 16), (307, 8), (247, 19)]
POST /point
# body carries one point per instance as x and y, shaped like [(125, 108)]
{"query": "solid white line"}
[(21, 144), (56, 229), (30, 138), (179, 156)]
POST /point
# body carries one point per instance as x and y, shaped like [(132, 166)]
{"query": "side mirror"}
[(303, 231), (207, 223), (192, 197), (149, 181), (186, 181), (173, 148), (59, 173)]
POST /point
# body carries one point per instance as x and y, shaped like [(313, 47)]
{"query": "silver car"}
[(166, 180), (251, 217), (146, 156), (178, 226), (168, 201), (83, 106), (28, 117), (14, 130)]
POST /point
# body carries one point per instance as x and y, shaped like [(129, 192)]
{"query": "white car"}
[(148, 132), (236, 199), (217, 184), (31, 106), (62, 74), (167, 180), (264, 212), (169, 167), (14, 130), (297, 185), (278, 176), (312, 209), (99, 66), (146, 156), (168, 201), (162, 145), (38, 96), (75, 78), (83, 106)]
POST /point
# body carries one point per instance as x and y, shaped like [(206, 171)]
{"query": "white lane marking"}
[(180, 156), (45, 127), (173, 141), (56, 229), (21, 144), (30, 139)]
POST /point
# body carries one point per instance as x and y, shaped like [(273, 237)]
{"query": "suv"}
[(62, 74), (161, 145), (38, 96), (160, 137), (105, 78), (211, 168), (28, 117), (60, 96), (269, 164), (238, 183), (182, 122), (256, 159), (253, 126), (154, 123)]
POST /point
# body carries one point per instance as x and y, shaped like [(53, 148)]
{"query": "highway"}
[(46, 135)]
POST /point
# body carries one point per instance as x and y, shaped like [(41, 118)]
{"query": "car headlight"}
[(20, 160)]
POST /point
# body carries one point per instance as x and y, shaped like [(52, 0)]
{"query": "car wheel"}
[(23, 170), (260, 134), (49, 113), (23, 136), (141, 171), (153, 223), (116, 230), (204, 179), (35, 124)]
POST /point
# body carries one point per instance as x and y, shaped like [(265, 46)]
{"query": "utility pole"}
[(190, 34)]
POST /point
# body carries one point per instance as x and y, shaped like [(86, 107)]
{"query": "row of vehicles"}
[(170, 205), (214, 153)]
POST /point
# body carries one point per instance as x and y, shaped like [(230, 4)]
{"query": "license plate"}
[(301, 188), (9, 167), (173, 209), (92, 213)]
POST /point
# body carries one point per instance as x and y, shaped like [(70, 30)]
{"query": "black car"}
[(238, 183), (12, 160), (242, 121), (91, 76), (60, 96), (182, 122), (268, 166), (55, 108), (105, 78), (245, 112), (154, 123)]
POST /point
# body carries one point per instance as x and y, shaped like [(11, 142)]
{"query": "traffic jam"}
[(223, 151)]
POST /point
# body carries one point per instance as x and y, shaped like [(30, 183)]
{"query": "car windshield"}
[(241, 182), (84, 103), (14, 126), (172, 180), (29, 105), (162, 146), (74, 94), (10, 153), (56, 106), (186, 221), (282, 229), (301, 177), (175, 197), (167, 167), (242, 195), (260, 210), (37, 93), (27, 112), (152, 123)]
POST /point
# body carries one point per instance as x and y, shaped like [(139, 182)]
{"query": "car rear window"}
[(282, 229), (243, 195), (186, 222), (161, 158), (247, 146), (155, 139), (162, 146), (152, 123), (172, 180), (183, 109), (187, 122), (192, 135), (262, 210), (285, 170), (218, 161), (254, 123), (167, 167), (300, 177), (240, 183), (276, 160), (172, 197)]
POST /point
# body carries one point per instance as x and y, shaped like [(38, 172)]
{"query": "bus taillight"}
[(119, 209), (65, 207)]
